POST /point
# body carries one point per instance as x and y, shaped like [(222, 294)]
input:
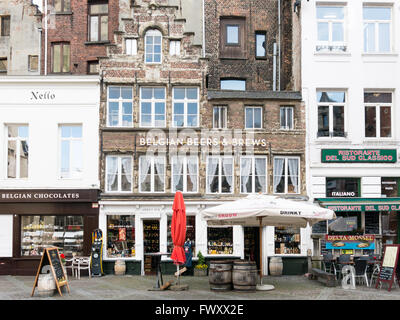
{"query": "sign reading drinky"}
[(359, 155)]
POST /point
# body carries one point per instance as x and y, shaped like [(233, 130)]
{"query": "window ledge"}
[(380, 54), (335, 54), (66, 13), (97, 42)]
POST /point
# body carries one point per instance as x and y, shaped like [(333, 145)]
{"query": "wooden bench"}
[(328, 278)]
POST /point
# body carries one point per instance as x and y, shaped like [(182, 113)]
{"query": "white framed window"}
[(378, 114), (71, 151), (253, 174), (331, 29), (185, 107), (220, 117), (286, 118), (174, 48), (331, 111), (377, 29), (153, 46), (233, 84), (151, 174), (185, 172), (286, 175), (253, 117), (152, 107), (120, 106), (219, 174), (118, 173), (17, 151), (131, 47)]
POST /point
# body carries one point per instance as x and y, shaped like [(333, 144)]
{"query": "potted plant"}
[(201, 267)]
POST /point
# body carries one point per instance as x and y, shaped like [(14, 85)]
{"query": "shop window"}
[(151, 174), (61, 54), (286, 118), (371, 223), (153, 46), (220, 116), (190, 233), (62, 5), (33, 63), (345, 223), (185, 172), (120, 106), (261, 44), (286, 175), (119, 174), (232, 37), (377, 29), (253, 174), (331, 107), (220, 240), (131, 47), (3, 65), (174, 48), (331, 29), (120, 236), (185, 107), (389, 187), (151, 238), (342, 187), (98, 21), (71, 152), (64, 232), (5, 22), (152, 107), (378, 115), (287, 240), (253, 117), (18, 151), (233, 84), (219, 175)]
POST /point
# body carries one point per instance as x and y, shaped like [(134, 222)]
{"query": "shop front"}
[(31, 220)]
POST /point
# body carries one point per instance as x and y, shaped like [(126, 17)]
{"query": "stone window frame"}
[(152, 173), (175, 47), (120, 101), (253, 122), (131, 46), (185, 173), (119, 173), (185, 102), (153, 32), (253, 172), (378, 109), (153, 101)]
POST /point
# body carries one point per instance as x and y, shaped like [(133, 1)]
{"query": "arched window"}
[(153, 46)]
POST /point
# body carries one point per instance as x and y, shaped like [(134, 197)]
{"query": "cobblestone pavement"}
[(129, 287)]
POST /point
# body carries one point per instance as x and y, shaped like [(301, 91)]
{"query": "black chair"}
[(329, 264), (343, 260), (360, 267)]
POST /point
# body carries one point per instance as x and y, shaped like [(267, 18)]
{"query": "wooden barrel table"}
[(244, 275), (220, 275)]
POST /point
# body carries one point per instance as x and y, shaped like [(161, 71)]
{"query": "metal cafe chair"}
[(360, 267), (328, 263), (344, 259), (83, 264), (375, 273), (69, 264)]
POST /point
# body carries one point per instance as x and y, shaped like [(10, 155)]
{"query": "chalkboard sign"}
[(389, 265), (52, 257)]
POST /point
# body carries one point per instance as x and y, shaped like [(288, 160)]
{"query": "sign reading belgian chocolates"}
[(359, 155), (48, 195)]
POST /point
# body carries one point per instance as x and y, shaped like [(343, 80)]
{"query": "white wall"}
[(76, 101)]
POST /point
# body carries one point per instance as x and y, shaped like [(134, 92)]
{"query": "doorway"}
[(252, 244), (151, 244)]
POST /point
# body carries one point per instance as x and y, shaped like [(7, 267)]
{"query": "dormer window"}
[(153, 46)]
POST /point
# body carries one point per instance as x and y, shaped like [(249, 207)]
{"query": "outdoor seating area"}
[(366, 268)]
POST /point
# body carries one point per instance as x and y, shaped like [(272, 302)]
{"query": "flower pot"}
[(200, 272)]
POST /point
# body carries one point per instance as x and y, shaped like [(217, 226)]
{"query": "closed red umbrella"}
[(178, 229)]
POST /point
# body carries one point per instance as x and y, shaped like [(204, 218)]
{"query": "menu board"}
[(51, 257), (389, 265)]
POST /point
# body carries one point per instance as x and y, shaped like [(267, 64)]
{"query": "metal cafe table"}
[(159, 279)]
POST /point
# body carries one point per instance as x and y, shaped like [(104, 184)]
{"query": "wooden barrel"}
[(244, 275), (46, 285), (119, 267), (275, 266), (220, 275)]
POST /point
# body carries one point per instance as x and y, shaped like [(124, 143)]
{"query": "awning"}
[(360, 204)]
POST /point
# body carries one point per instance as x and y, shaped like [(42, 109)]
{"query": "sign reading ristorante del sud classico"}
[(359, 155)]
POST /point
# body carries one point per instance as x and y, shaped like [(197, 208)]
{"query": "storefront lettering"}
[(16, 196), (201, 142), (343, 194), (36, 95), (362, 155), (296, 213)]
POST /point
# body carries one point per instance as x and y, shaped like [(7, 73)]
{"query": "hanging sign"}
[(389, 265), (359, 155), (52, 257), (350, 242)]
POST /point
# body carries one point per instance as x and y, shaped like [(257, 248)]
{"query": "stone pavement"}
[(130, 287)]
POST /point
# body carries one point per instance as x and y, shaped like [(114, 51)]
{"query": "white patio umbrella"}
[(258, 210)]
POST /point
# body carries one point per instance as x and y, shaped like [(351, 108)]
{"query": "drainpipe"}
[(204, 31), (45, 37), (279, 45), (274, 69), (40, 51)]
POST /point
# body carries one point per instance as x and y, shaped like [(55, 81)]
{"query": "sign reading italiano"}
[(359, 155)]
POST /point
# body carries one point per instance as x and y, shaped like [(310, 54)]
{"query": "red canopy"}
[(178, 229)]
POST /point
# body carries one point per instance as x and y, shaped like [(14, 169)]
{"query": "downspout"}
[(45, 37), (274, 69), (279, 45), (40, 51), (204, 31)]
